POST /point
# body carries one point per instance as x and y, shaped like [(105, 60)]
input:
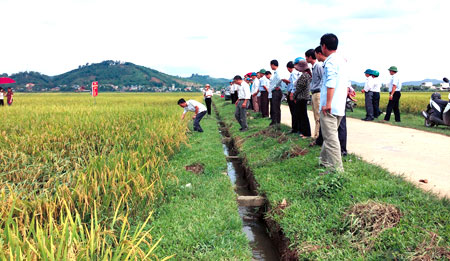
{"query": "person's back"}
[(335, 74)]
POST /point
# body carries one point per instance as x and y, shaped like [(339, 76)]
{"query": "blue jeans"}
[(197, 120)]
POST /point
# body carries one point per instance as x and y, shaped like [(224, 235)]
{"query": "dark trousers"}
[(376, 104), (250, 106), (342, 135), (369, 106), (208, 105), (302, 116), (393, 105), (259, 103), (234, 97), (2, 103), (241, 114), (291, 105), (197, 120), (264, 104), (277, 95)]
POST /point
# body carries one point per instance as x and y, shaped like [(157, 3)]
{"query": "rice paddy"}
[(79, 180)]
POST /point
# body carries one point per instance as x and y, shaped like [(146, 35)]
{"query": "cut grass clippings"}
[(198, 218), (319, 203)]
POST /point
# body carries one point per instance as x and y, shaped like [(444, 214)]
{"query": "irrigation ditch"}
[(266, 237)]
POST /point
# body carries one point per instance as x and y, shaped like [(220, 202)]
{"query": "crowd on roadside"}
[(321, 77), (9, 96)]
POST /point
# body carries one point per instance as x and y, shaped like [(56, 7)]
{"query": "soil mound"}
[(196, 168)]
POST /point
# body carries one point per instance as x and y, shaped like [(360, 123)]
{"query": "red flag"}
[(94, 89)]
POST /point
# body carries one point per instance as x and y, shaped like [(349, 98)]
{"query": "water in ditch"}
[(253, 226)]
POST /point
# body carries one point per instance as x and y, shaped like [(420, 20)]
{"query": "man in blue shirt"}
[(294, 75), (333, 95)]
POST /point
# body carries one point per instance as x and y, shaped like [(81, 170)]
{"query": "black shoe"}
[(200, 130), (240, 129), (398, 121), (364, 119), (344, 154), (244, 129), (368, 119)]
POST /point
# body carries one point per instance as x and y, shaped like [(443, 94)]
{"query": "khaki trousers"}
[(255, 103), (315, 102), (330, 156)]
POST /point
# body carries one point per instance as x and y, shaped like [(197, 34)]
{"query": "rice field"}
[(410, 102), (80, 180)]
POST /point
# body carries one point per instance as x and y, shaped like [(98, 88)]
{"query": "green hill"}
[(113, 76)]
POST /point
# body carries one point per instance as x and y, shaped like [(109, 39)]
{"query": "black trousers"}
[(208, 105), (234, 97), (291, 105), (197, 120), (342, 135), (2, 103), (302, 115), (393, 105), (275, 106), (376, 104), (264, 104), (250, 106), (368, 98)]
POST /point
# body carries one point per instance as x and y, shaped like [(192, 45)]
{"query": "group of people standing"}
[(9, 96), (371, 92), (328, 84), (321, 75)]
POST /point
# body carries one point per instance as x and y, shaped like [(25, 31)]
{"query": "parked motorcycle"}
[(438, 111)]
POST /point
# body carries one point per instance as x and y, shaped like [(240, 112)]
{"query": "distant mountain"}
[(112, 75), (204, 79), (418, 83)]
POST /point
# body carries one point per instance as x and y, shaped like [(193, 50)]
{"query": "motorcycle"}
[(438, 111)]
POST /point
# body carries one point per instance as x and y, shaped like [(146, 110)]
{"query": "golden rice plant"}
[(410, 102)]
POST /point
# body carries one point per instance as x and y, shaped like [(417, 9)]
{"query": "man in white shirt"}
[(264, 90), (277, 94), (368, 95), (376, 93), (196, 107), (208, 94), (394, 95), (255, 91), (243, 91), (333, 97)]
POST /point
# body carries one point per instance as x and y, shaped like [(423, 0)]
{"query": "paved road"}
[(413, 153)]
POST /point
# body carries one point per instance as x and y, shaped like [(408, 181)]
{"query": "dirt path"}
[(415, 154)]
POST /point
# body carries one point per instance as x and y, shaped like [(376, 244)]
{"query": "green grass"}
[(314, 219), (408, 120), (200, 222)]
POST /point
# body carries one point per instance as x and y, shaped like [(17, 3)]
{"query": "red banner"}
[(94, 89)]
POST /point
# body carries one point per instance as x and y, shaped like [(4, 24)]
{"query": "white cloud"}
[(223, 38)]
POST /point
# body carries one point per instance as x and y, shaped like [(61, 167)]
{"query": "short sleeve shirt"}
[(191, 104)]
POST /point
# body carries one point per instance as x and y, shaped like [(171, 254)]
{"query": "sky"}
[(224, 38)]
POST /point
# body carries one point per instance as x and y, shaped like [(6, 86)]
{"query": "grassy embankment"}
[(411, 105), (198, 218), (363, 213), (80, 180)]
